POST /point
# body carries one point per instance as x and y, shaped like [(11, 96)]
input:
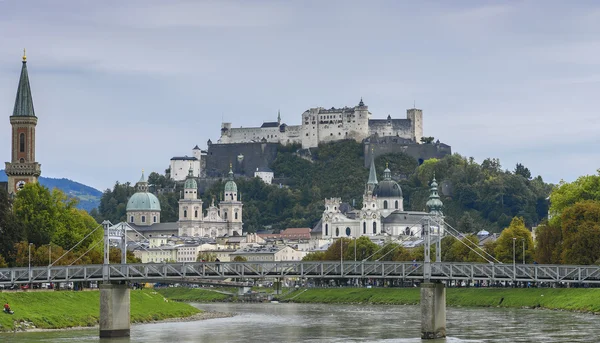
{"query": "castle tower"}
[(231, 207), (416, 123), (190, 207), (22, 168)]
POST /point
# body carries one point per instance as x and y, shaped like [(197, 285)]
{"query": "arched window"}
[(348, 231), (364, 228), (396, 204), (326, 229), (131, 219), (143, 219), (22, 142), (374, 227), (225, 215), (196, 214), (337, 231), (407, 231), (236, 215), (154, 219), (184, 213), (385, 204)]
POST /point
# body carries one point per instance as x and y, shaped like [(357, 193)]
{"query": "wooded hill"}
[(476, 196)]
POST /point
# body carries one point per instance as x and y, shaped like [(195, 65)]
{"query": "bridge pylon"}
[(433, 294), (114, 296)]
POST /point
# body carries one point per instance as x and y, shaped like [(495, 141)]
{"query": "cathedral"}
[(143, 212), (382, 213), (22, 168)]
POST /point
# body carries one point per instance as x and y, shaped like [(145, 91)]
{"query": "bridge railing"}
[(299, 269)]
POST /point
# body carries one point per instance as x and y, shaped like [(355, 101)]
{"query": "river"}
[(268, 323)]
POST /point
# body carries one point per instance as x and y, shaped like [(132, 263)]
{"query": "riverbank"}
[(567, 299), (67, 309)]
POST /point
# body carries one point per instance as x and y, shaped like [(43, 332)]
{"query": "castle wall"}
[(244, 158), (387, 145), (391, 128)]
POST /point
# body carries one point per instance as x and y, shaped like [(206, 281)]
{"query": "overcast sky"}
[(121, 86)]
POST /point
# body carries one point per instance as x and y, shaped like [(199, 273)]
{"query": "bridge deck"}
[(188, 272)]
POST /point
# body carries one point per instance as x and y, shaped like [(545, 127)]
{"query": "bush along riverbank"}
[(568, 299), (66, 309)]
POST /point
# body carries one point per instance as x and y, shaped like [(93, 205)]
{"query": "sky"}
[(121, 86)]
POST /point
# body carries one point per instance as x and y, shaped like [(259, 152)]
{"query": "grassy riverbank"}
[(64, 309), (573, 299)]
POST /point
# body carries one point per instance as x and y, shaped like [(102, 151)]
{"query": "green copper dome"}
[(143, 200), (190, 182), (230, 186)]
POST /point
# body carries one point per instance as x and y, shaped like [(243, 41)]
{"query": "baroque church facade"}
[(320, 125), (382, 213), (22, 168), (143, 211)]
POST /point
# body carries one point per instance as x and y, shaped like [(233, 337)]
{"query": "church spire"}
[(434, 203), (372, 182), (279, 116), (24, 101)]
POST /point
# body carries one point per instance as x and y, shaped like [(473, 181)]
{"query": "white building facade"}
[(382, 213), (321, 125), (180, 165), (224, 219)]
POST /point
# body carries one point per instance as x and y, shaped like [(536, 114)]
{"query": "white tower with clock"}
[(22, 168)]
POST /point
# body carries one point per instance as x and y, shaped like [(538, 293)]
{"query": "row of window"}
[(385, 204), (349, 231), (143, 219), (196, 214)]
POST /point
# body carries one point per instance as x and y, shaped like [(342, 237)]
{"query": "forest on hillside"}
[(476, 196)]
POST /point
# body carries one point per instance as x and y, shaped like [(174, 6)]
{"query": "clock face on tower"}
[(20, 185)]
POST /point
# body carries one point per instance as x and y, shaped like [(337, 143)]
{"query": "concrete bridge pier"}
[(114, 310), (433, 310)]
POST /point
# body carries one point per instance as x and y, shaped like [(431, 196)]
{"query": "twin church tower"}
[(22, 168)]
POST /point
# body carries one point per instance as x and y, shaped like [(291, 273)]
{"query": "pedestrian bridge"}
[(212, 272)]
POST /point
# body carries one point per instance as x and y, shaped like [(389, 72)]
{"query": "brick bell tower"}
[(22, 168)]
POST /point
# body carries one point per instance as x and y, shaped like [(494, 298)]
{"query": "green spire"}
[(142, 179), (434, 203), (372, 173), (24, 101)]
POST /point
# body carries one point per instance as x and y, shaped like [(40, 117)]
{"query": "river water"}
[(268, 323)]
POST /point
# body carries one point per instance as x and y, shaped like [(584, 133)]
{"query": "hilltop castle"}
[(321, 125)]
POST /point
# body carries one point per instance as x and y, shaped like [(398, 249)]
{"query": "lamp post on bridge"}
[(514, 260), (29, 268), (523, 240)]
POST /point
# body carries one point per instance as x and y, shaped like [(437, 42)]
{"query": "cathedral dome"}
[(143, 201), (388, 188)]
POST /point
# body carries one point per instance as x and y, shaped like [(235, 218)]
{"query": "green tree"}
[(240, 259), (364, 249), (11, 230), (314, 256), (206, 256), (566, 194), (511, 240), (548, 240), (523, 171), (581, 233)]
